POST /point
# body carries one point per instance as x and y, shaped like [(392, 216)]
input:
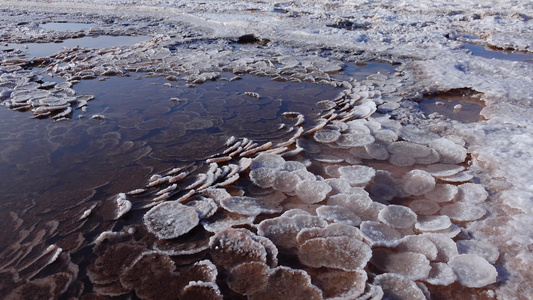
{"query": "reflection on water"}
[(103, 41), (460, 105), (359, 71), (67, 26), (493, 53)]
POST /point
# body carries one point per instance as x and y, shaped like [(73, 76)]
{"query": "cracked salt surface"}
[(467, 184)]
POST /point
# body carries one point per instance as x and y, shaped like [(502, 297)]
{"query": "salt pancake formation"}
[(269, 227), (368, 202)]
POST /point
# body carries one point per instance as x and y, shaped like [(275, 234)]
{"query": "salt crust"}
[(412, 265)]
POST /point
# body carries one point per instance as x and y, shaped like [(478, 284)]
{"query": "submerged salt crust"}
[(464, 189)]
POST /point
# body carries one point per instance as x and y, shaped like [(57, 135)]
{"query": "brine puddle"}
[(463, 105), (494, 53), (102, 41), (55, 176)]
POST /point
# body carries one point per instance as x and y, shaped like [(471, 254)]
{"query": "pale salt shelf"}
[(266, 150)]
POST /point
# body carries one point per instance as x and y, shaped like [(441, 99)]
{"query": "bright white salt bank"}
[(449, 202)]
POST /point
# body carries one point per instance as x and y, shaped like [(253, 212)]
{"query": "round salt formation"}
[(473, 270), (472, 193), (484, 249), (380, 234), (287, 283), (263, 177), (418, 182), (248, 278), (441, 274), (326, 136), (424, 207), (253, 206), (266, 160), (341, 284), (357, 175), (463, 212), (171, 219), (433, 223), (443, 170), (398, 287), (311, 191), (397, 216), (449, 152), (418, 244), (282, 230), (446, 247), (442, 193), (232, 247), (286, 181), (338, 214), (338, 252), (414, 266)]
